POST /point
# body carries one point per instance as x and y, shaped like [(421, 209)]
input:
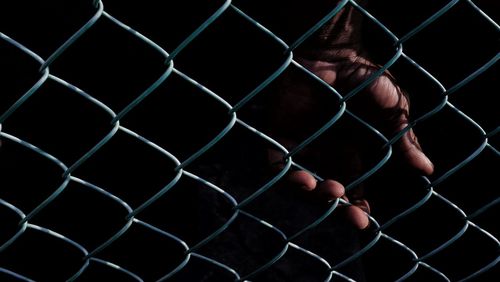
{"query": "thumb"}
[(412, 154)]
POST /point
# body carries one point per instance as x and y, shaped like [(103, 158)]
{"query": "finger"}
[(357, 214), (302, 179), (362, 204), (412, 153), (388, 106), (396, 105), (330, 190), (326, 190)]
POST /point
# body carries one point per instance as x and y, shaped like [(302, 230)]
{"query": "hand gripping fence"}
[(18, 222)]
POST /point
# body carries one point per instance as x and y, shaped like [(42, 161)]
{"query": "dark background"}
[(231, 57)]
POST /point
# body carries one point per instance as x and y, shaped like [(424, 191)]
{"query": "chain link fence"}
[(132, 135)]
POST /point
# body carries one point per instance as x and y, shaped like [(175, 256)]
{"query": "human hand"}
[(382, 103)]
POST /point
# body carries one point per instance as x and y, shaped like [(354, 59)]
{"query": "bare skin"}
[(338, 60)]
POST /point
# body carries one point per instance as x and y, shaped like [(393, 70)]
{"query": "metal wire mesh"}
[(172, 253)]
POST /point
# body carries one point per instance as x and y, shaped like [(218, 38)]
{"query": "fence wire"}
[(19, 232)]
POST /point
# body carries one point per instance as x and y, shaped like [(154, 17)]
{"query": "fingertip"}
[(302, 179), (357, 217), (420, 161), (331, 189), (414, 155), (428, 167)]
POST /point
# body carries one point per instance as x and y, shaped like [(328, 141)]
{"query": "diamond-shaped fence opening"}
[(136, 138)]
